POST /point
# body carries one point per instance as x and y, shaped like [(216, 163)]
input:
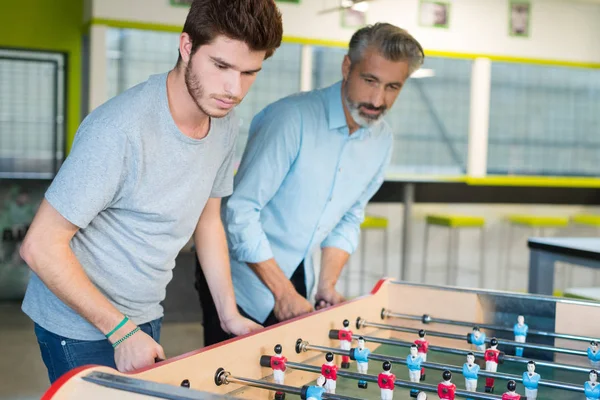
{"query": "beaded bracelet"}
[(123, 322), (130, 334)]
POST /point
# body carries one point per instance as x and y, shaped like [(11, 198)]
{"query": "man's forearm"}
[(332, 263), (213, 255), (57, 266), (273, 277)]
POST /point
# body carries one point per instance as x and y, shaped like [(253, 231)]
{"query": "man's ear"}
[(346, 64), (185, 47)]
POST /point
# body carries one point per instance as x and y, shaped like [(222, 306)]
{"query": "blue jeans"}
[(61, 354)]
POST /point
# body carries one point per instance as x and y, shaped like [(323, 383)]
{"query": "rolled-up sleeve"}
[(273, 145), (346, 233)]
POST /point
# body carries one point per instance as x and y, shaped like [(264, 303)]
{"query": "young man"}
[(146, 172), (312, 162)]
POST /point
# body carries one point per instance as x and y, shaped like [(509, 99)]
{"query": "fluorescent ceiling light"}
[(362, 6), (423, 73)]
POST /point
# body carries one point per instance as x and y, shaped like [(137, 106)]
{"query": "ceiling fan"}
[(358, 5)]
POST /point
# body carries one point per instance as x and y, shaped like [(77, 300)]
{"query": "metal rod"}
[(397, 382), (148, 388), (361, 322), (281, 388), (442, 367), (428, 319), (461, 352)]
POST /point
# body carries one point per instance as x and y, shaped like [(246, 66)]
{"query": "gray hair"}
[(394, 43)]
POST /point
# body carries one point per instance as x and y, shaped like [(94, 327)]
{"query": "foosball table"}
[(401, 341)]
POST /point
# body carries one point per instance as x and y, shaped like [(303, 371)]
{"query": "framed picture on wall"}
[(519, 17), (352, 18), (435, 14)]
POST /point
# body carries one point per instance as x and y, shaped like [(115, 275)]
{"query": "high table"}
[(545, 252)]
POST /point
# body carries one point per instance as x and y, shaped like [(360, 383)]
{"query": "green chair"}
[(371, 223), (454, 223), (538, 223), (589, 293)]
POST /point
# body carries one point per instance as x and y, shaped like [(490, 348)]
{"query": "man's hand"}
[(238, 325), (137, 351), (290, 304), (328, 296)]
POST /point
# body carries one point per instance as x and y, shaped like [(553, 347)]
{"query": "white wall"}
[(560, 29)]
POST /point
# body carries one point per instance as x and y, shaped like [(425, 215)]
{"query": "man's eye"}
[(221, 66)]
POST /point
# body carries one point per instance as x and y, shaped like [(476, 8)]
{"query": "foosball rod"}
[(361, 322), (462, 352), (305, 346), (265, 362), (223, 377), (428, 319)]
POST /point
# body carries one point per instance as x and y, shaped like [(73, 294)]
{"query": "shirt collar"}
[(336, 116)]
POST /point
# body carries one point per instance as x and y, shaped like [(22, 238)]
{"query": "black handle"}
[(265, 361), (469, 338)]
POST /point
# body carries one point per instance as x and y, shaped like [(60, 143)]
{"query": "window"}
[(32, 113), (544, 120)]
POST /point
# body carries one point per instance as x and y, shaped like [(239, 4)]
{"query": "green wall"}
[(49, 25)]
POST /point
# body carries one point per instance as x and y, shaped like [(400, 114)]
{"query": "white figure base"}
[(387, 394), (414, 376), (278, 376), (330, 385), (491, 366), (531, 394), (362, 367), (471, 385)]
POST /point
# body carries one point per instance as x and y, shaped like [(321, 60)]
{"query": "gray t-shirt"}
[(135, 186)]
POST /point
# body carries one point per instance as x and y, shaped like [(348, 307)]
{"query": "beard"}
[(362, 119), (196, 91)]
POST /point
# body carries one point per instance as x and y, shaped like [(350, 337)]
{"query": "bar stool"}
[(535, 222), (371, 223), (454, 223)]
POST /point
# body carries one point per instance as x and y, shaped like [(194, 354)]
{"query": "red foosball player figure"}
[(422, 347), (345, 337), (491, 363), (278, 365), (446, 389), (329, 371), (511, 394), (386, 380)]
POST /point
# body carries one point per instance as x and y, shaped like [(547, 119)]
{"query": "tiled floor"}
[(23, 375)]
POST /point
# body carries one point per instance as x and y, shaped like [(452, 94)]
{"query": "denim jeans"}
[(61, 354)]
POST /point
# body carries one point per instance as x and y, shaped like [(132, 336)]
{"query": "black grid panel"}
[(544, 120), (31, 114), (430, 117)]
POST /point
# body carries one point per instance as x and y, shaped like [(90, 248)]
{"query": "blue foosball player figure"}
[(361, 355), (471, 373), (314, 392), (591, 387), (477, 339), (594, 354), (520, 330), (413, 362), (530, 381)]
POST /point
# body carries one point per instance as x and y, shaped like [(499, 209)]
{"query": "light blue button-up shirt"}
[(303, 181)]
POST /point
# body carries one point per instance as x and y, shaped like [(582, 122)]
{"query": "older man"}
[(312, 162)]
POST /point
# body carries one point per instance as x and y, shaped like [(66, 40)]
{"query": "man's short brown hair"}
[(256, 22)]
